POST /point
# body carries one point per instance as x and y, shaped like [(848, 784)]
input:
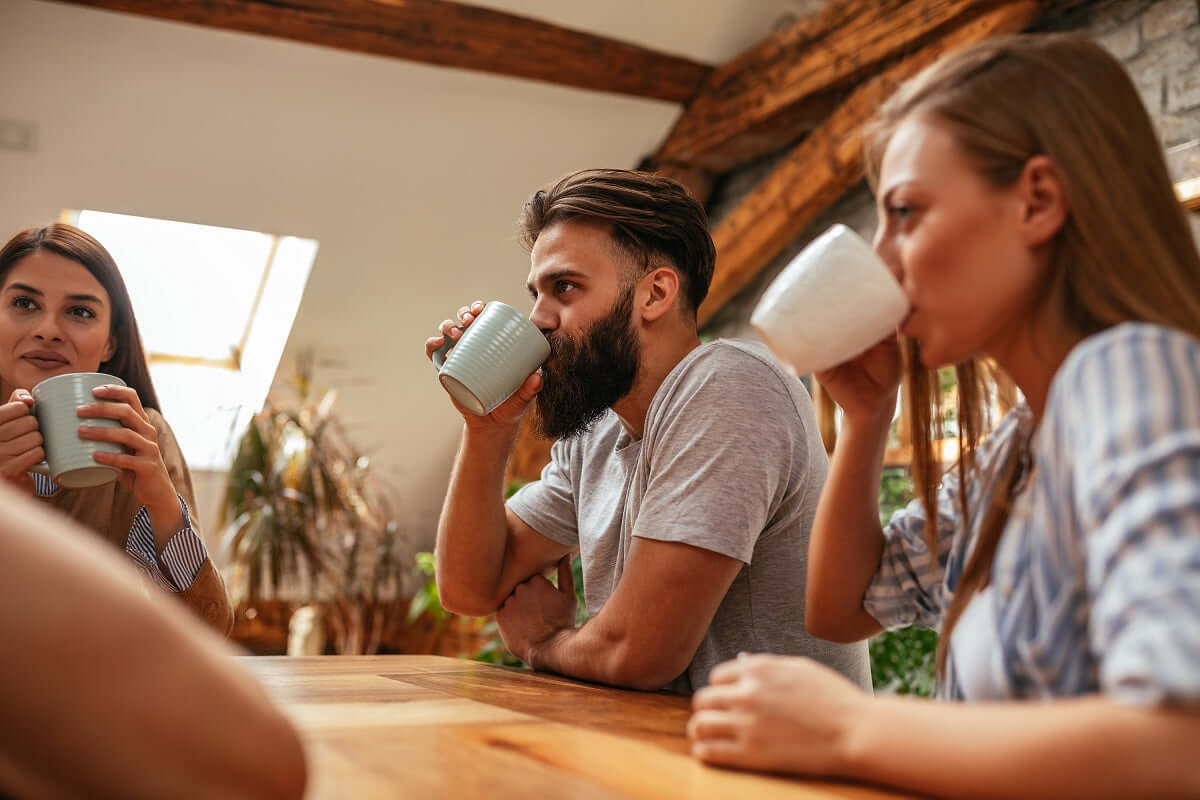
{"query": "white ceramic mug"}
[(833, 301), (492, 358), (69, 460)]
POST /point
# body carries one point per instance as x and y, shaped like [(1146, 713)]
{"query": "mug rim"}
[(76, 375)]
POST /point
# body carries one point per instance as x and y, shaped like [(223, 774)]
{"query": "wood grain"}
[(431, 727), (777, 91), (826, 164), (447, 34)]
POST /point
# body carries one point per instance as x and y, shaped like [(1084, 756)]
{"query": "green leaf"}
[(418, 606)]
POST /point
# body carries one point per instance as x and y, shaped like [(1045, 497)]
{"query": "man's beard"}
[(586, 377)]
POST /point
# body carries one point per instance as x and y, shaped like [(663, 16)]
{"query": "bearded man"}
[(685, 474)]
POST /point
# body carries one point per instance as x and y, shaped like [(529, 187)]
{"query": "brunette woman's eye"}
[(82, 311)]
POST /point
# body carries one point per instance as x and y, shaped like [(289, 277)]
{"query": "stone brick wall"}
[(1157, 40)]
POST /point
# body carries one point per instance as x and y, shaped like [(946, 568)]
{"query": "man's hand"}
[(536, 612)]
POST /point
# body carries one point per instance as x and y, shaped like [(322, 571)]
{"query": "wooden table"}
[(428, 726)]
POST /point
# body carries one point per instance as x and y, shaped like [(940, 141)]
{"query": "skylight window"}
[(215, 307)]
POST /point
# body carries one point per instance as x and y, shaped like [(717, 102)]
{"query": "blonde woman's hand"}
[(509, 413), (20, 440), (865, 386), (775, 713), (142, 467)]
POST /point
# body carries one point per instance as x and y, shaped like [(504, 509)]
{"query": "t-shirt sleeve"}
[(909, 586), (548, 504), (719, 457), (1132, 419)]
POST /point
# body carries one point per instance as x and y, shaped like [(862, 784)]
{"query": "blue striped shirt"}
[(1096, 580), (183, 556)]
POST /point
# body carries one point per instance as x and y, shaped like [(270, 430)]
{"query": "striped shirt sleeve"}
[(908, 586), (1133, 418), (913, 586), (183, 556)]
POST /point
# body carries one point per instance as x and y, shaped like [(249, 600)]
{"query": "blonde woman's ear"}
[(1043, 200)]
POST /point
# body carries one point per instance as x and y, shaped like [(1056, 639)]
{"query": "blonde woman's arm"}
[(108, 694), (793, 715), (846, 542)]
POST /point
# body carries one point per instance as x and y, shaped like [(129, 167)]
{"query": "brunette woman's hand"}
[(142, 467), (20, 440), (865, 386), (777, 714)]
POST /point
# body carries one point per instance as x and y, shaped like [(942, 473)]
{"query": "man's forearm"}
[(473, 531), (596, 652)]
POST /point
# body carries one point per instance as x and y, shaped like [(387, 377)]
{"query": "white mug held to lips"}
[(69, 460), (833, 301), (491, 359)]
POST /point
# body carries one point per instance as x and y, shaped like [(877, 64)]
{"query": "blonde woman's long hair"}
[(1124, 253)]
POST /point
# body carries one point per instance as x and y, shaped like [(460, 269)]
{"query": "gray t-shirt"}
[(731, 461)]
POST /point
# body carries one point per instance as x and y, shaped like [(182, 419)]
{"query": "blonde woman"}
[(1025, 207)]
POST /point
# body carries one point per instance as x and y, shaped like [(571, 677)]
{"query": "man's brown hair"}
[(651, 218)]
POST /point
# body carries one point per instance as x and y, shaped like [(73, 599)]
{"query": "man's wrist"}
[(541, 655)]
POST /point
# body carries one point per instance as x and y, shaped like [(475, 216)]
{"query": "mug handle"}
[(41, 468), (439, 355)]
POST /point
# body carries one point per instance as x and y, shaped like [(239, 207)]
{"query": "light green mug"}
[(491, 359), (69, 460)]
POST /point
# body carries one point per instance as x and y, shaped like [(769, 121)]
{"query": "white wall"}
[(409, 176)]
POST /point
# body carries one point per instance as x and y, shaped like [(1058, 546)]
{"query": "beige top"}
[(110, 509)]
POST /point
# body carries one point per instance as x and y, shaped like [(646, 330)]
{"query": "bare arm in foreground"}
[(108, 693)]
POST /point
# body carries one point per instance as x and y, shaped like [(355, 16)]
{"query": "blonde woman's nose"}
[(886, 250)]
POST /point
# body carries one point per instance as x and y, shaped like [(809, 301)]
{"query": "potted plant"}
[(305, 525)]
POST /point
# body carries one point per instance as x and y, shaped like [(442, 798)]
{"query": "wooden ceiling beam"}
[(828, 163), (779, 90), (447, 34)]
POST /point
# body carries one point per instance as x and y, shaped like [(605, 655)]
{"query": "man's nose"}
[(543, 316)]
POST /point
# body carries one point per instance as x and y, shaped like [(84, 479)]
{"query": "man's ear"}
[(657, 293), (1043, 201)]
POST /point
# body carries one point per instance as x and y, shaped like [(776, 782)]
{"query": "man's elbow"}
[(637, 668), (462, 599)]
